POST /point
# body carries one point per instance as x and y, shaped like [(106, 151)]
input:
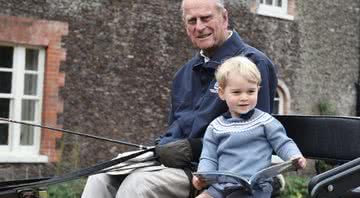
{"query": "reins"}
[(95, 169), (139, 146)]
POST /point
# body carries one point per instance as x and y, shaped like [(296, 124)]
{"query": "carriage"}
[(330, 138)]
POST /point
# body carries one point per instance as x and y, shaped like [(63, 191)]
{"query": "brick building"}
[(104, 67)]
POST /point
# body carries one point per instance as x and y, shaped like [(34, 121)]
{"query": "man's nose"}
[(200, 25)]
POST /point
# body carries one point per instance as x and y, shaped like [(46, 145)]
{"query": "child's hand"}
[(198, 183), (300, 162)]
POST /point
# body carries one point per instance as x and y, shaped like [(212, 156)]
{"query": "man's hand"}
[(198, 183), (177, 154)]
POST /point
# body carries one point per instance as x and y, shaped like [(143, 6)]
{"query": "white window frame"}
[(278, 101), (274, 11), (14, 152), (283, 98)]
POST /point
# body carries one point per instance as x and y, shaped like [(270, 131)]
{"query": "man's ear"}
[(221, 93), (225, 16)]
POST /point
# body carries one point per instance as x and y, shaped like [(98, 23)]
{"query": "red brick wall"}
[(291, 7), (48, 35)]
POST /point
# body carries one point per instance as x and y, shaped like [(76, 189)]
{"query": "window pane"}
[(4, 134), (4, 108), (28, 110), (278, 3), (27, 114), (6, 56), (268, 2), (276, 104), (27, 135), (5, 82), (30, 83), (275, 107), (31, 59)]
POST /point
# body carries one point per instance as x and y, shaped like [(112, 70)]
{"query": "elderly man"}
[(195, 104)]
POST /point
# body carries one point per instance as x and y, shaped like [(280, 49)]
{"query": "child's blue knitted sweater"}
[(245, 146)]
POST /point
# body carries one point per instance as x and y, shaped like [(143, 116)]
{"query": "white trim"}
[(18, 80), (274, 11), (3, 69), (8, 96), (21, 157), (284, 97), (275, 15)]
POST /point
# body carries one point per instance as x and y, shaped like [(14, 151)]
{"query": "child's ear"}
[(221, 93)]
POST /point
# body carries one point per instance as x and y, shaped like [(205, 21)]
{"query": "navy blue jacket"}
[(194, 99)]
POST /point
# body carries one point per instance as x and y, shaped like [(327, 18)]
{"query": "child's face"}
[(240, 94)]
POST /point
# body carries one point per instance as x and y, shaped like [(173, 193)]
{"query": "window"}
[(23, 95), (276, 107), (275, 8), (281, 99), (21, 87)]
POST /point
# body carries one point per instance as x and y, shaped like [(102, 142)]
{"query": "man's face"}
[(205, 23)]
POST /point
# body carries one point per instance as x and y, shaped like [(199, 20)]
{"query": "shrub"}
[(72, 189), (296, 187)]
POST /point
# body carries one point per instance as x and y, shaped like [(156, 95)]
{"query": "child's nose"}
[(243, 97)]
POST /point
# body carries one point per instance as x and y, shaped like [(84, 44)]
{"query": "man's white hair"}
[(219, 3)]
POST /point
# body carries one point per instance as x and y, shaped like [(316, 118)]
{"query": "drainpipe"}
[(357, 85)]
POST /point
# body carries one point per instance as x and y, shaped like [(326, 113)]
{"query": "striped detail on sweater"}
[(223, 125)]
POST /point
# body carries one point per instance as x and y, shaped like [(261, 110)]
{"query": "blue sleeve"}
[(283, 146)]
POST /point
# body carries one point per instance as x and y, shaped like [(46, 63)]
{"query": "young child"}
[(243, 139)]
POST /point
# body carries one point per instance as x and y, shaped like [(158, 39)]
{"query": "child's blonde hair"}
[(238, 65)]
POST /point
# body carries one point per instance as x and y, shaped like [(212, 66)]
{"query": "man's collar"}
[(228, 49), (206, 58)]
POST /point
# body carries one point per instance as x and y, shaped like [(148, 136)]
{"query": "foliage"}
[(72, 189), (326, 108), (296, 187), (322, 166)]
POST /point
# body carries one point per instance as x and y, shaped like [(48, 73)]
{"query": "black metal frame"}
[(337, 182), (334, 138)]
